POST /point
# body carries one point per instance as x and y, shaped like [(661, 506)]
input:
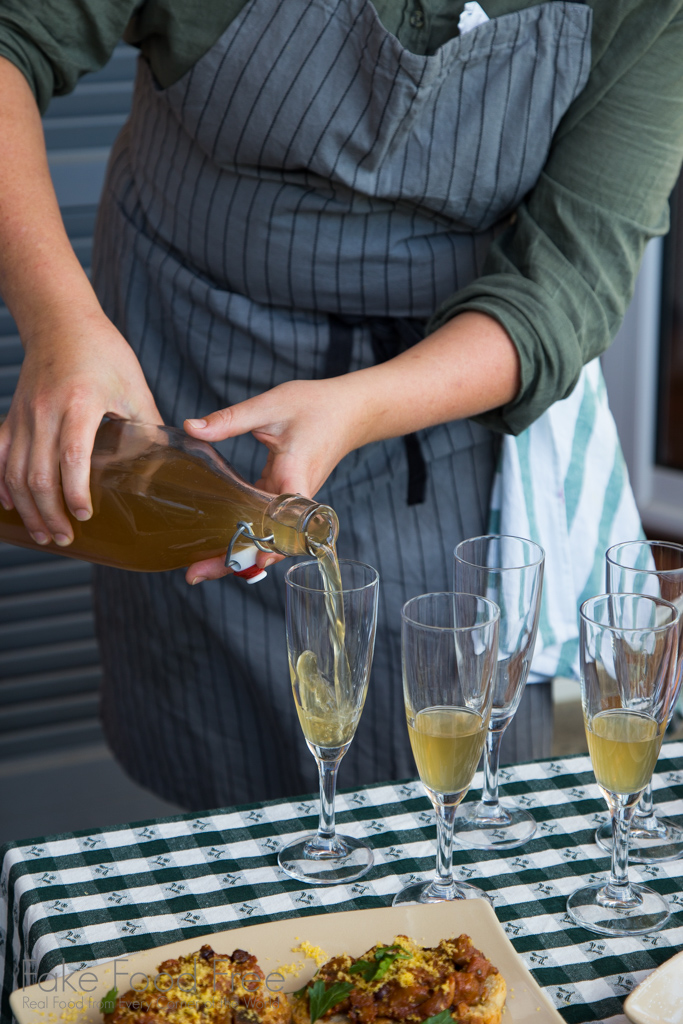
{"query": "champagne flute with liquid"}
[(629, 646), (654, 568), (450, 646), (509, 571), (331, 620)]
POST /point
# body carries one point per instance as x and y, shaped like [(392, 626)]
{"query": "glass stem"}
[(445, 820), (327, 773), (619, 887), (645, 809), (489, 794)]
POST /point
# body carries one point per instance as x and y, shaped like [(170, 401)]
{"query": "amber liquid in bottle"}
[(162, 500)]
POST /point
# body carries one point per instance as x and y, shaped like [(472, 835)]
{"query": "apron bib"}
[(308, 172)]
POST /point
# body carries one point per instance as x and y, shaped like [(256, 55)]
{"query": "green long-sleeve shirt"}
[(560, 278)]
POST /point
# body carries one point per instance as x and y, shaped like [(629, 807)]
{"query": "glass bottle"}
[(162, 500)]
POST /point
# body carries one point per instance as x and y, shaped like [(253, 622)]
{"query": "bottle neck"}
[(301, 526)]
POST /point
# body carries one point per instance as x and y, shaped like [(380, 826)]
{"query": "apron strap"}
[(389, 335), (340, 348)]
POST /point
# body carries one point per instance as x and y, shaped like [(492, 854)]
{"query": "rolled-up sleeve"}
[(559, 279), (54, 42)]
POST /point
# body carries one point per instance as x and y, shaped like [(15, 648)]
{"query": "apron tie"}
[(390, 336)]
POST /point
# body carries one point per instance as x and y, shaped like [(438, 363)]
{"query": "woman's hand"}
[(73, 374), (77, 366), (466, 367), (308, 426)]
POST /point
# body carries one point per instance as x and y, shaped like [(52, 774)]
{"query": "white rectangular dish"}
[(351, 932)]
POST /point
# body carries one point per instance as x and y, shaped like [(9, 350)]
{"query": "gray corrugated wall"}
[(49, 664)]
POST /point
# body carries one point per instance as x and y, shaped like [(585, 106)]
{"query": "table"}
[(89, 896)]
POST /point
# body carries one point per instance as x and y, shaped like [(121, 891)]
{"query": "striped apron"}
[(298, 204)]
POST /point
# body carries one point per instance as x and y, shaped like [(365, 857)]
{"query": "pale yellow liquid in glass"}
[(324, 723), (624, 747), (328, 714), (447, 743)]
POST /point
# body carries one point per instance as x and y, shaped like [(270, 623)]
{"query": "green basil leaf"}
[(360, 965), (440, 1018), (368, 968), (372, 971), (384, 966), (108, 1002), (385, 956), (300, 991), (321, 1000), (383, 951)]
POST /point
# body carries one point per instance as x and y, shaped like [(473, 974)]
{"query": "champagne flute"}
[(450, 645), (629, 646), (654, 568), (509, 571), (330, 642)]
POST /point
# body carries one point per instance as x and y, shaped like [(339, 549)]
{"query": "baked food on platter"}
[(405, 982), (202, 988)]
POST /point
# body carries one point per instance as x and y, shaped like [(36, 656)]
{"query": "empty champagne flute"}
[(449, 644), (654, 568), (629, 646), (330, 642), (509, 571)]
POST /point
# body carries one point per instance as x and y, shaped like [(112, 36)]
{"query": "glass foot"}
[(320, 862), (476, 826), (647, 845), (591, 908), (432, 892)]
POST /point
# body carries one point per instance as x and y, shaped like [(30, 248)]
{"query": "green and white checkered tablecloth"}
[(87, 897)]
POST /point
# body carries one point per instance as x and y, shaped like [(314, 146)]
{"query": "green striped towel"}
[(564, 483)]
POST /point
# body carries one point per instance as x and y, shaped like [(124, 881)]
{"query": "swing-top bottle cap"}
[(243, 564)]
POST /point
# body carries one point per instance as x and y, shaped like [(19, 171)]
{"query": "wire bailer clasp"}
[(245, 529)]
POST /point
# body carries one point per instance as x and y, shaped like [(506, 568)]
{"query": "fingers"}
[(17, 483), (214, 568), (76, 442), (44, 484), (264, 559), (214, 427), (67, 383), (289, 473), (307, 427), (43, 468), (208, 569), (5, 443), (264, 412), (146, 411)]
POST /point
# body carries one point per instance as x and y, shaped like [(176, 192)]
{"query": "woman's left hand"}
[(308, 426), (465, 367)]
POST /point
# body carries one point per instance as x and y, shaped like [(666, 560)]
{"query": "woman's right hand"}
[(73, 374), (77, 367)]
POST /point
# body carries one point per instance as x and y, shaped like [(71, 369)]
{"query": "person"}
[(348, 232)]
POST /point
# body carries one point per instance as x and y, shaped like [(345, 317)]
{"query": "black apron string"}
[(390, 335), (340, 348), (417, 470)]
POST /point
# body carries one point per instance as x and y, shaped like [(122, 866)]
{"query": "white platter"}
[(351, 932)]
